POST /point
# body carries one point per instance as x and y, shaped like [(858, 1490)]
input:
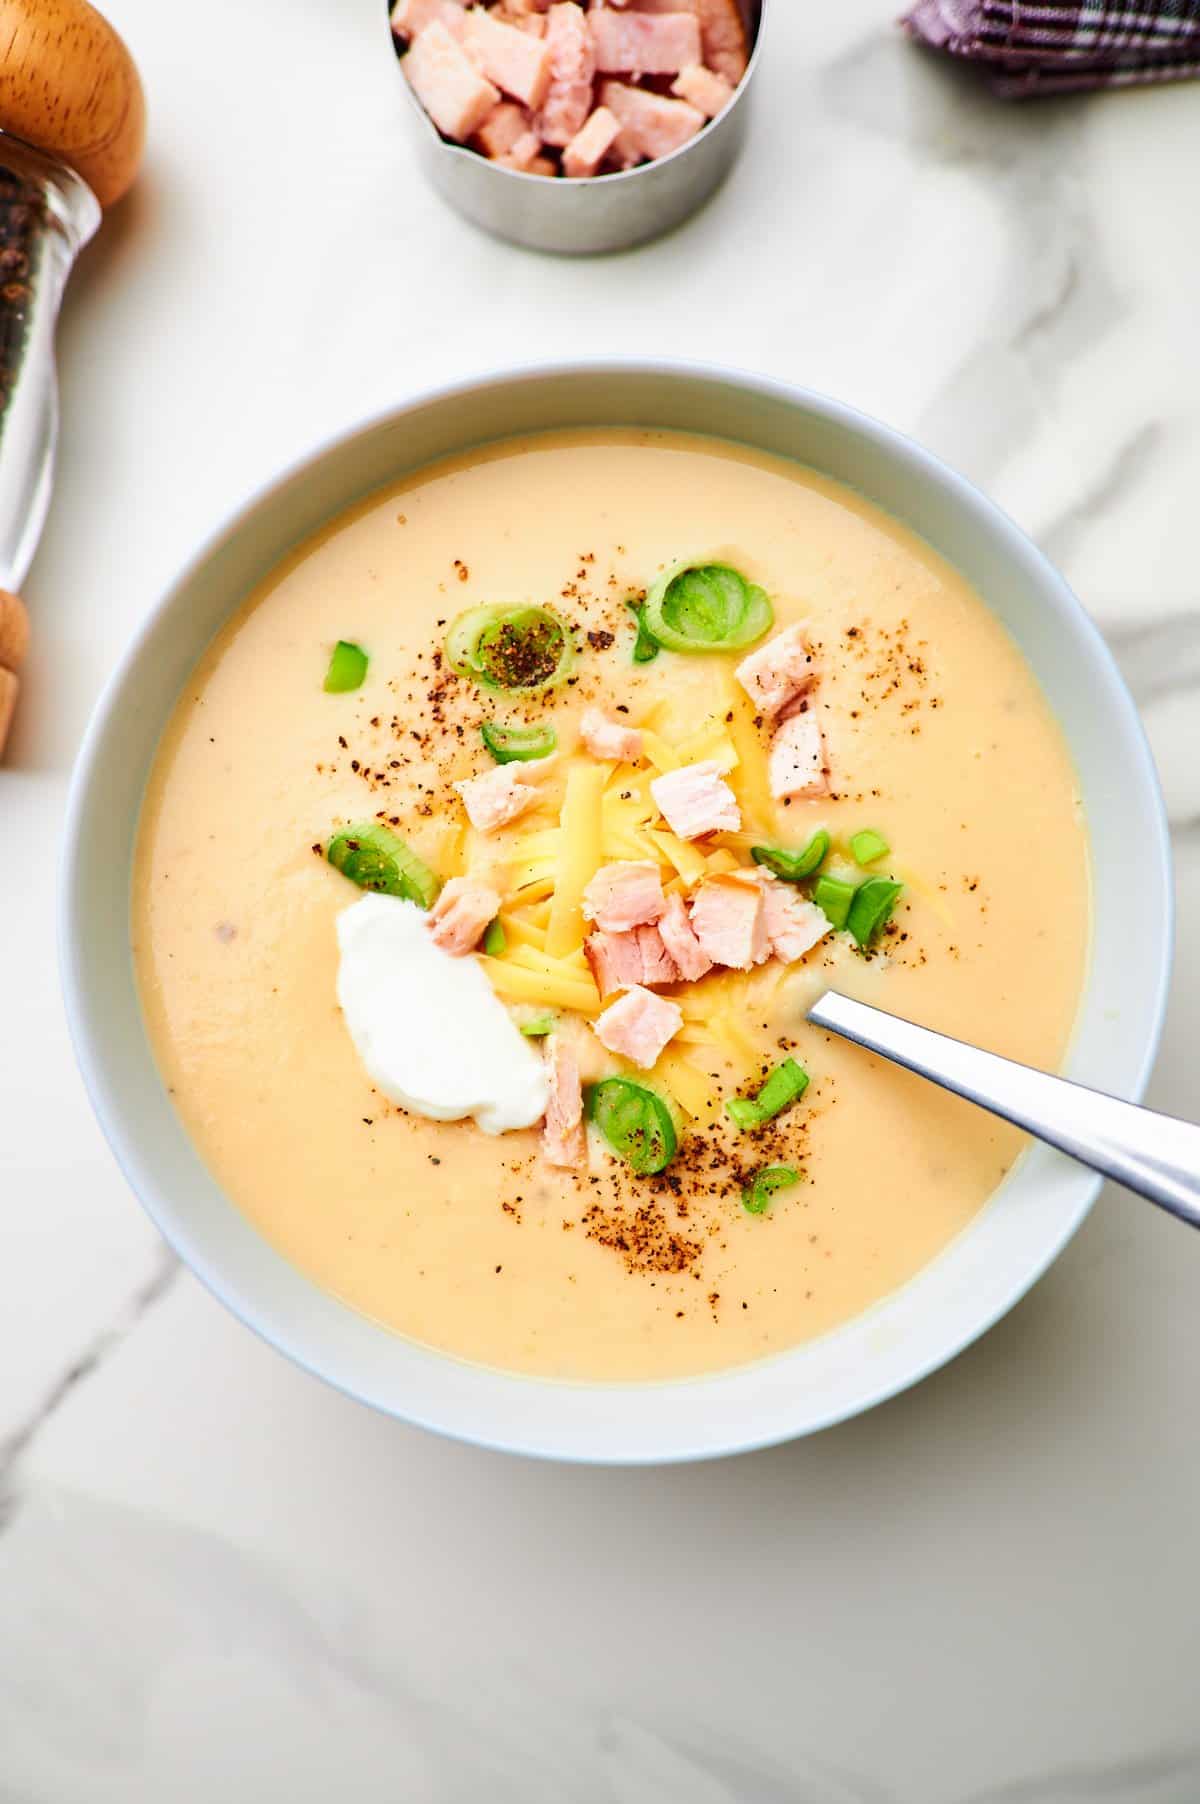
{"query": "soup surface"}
[(937, 738)]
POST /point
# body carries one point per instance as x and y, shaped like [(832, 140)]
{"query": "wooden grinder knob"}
[(14, 641), (69, 87)]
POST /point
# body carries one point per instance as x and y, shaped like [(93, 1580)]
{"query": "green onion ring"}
[(706, 607)]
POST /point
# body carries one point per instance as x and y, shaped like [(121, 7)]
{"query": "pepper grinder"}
[(72, 125)]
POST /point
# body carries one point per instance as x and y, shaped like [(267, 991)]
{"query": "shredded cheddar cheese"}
[(683, 858), (519, 985), (580, 856)]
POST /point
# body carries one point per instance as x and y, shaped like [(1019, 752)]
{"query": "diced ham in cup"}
[(504, 127), (572, 75), (516, 61), (524, 153), (702, 89), (411, 16), (447, 83), (632, 43), (722, 34), (588, 149), (554, 61), (652, 125)]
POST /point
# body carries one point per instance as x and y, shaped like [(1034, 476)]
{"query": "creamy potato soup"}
[(496, 848)]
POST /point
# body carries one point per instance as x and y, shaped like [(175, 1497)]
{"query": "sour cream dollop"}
[(429, 1028)]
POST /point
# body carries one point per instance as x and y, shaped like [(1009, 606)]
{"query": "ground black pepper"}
[(22, 220)]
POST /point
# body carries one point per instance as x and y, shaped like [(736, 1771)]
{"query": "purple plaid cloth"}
[(1059, 46)]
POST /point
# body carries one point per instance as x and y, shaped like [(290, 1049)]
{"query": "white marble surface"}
[(217, 1578)]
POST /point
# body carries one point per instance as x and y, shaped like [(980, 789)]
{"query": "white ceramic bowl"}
[(948, 1304)]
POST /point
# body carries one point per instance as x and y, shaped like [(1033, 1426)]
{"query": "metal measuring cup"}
[(595, 213)]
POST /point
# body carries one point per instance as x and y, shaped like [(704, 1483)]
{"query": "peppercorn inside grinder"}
[(72, 123)]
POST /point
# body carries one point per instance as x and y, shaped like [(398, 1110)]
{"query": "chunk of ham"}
[(564, 1141), (583, 157), (729, 920), (695, 800), (462, 911), (794, 925), (520, 159), (619, 960), (723, 36), (525, 154), (679, 939), (624, 895), (412, 16), (504, 126), (652, 125), (457, 97), (796, 760), (701, 88), (497, 797), (642, 44), (722, 32), (614, 959), (521, 20), (657, 964), (638, 1025), (604, 738), (515, 60), (572, 73), (779, 672)]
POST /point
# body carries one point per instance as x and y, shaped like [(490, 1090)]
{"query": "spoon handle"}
[(1154, 1155)]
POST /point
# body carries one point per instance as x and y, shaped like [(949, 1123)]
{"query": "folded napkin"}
[(1058, 46)]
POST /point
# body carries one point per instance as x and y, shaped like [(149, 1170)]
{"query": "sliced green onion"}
[(645, 647), (347, 668), (763, 1185), (868, 845), (636, 1122), (495, 940), (872, 908), (834, 897), (523, 648), (794, 867), (706, 607), (539, 1026), (786, 1084), (375, 858), (517, 745)]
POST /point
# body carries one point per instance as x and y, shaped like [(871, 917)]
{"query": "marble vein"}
[(199, 1670), (1167, 1778), (82, 1366), (1130, 463), (1159, 657)]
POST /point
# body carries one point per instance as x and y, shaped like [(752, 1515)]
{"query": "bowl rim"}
[(86, 1033)]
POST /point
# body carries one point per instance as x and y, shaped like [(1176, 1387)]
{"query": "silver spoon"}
[(1154, 1155)]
